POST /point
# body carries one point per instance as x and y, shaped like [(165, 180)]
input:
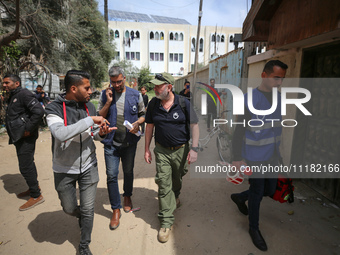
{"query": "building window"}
[(132, 34), (156, 56), (111, 33), (180, 57), (171, 36), (176, 36), (127, 34), (193, 44), (222, 38), (162, 36), (218, 38), (213, 38), (181, 36), (176, 57), (151, 36), (201, 45), (117, 34), (156, 36), (137, 34), (131, 56)]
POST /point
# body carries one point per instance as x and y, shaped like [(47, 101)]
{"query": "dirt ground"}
[(208, 222)]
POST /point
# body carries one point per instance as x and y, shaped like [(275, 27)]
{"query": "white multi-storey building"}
[(166, 44)]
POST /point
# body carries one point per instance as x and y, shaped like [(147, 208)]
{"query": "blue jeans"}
[(259, 187), (65, 185), (113, 154)]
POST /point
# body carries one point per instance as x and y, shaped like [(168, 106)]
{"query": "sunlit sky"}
[(226, 13)]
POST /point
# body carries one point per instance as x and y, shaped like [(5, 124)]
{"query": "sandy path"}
[(206, 223)]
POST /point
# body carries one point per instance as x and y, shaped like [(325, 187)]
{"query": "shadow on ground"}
[(55, 227), (14, 183)]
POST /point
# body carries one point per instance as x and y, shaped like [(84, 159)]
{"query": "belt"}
[(173, 148)]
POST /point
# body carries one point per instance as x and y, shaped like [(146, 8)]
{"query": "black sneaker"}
[(241, 204), (257, 239), (84, 250)]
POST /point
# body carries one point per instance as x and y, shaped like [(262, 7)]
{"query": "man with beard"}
[(73, 125), (170, 115), (119, 103)]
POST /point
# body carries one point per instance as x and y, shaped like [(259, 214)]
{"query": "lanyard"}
[(65, 116)]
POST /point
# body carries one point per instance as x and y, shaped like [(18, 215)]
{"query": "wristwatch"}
[(195, 149)]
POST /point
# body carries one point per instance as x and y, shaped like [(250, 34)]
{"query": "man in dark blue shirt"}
[(169, 115)]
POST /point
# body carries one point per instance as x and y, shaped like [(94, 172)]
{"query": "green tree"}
[(69, 34), (95, 50), (144, 78)]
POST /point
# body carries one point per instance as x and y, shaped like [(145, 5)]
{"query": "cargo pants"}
[(171, 166)]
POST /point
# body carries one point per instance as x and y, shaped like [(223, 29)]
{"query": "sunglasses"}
[(160, 77)]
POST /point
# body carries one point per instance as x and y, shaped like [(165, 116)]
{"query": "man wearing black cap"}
[(170, 115)]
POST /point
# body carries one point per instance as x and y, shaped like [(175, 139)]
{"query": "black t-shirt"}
[(170, 127), (240, 130), (145, 100)]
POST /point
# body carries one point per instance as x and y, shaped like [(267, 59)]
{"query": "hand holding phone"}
[(109, 95)]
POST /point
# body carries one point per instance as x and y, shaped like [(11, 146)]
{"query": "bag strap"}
[(184, 110)]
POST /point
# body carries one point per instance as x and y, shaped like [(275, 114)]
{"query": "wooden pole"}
[(196, 49)]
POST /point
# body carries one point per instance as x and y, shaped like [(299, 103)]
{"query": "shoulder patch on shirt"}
[(175, 115)]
